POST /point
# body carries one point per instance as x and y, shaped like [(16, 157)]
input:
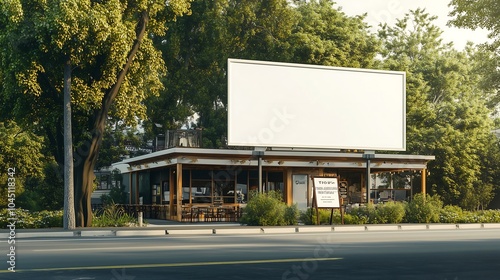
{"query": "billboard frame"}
[(271, 103)]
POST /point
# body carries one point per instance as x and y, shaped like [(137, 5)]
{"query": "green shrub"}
[(423, 209), (27, 219), (489, 216), (389, 213), (45, 192), (362, 214), (112, 215), (292, 214), (266, 209), (451, 214), (308, 216), (50, 219), (455, 214), (350, 219), (116, 195), (483, 216)]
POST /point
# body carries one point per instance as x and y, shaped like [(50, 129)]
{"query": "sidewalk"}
[(165, 228)]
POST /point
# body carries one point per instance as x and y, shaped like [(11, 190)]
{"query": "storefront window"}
[(253, 180), (275, 182), (242, 187), (201, 186), (224, 186)]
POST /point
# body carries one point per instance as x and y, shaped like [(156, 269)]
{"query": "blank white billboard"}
[(287, 105)]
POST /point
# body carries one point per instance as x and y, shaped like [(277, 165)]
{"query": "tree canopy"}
[(483, 14), (447, 112), (115, 66), (196, 49)]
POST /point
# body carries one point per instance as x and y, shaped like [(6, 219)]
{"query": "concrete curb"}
[(155, 232), (208, 230)]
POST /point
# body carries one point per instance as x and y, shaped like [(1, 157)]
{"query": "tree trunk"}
[(84, 177), (87, 153), (69, 209)]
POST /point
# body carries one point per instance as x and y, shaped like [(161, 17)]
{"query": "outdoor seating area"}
[(194, 213), (190, 213)]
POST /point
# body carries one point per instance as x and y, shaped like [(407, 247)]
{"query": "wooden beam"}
[(288, 187), (423, 183), (178, 200)]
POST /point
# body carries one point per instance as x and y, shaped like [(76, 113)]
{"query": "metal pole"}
[(368, 179), (259, 154), (140, 212), (368, 155), (260, 174)]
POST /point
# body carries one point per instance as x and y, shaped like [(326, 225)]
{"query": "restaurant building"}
[(181, 181)]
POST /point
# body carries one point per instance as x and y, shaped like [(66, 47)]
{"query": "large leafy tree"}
[(485, 14), (477, 14), (325, 35), (447, 113), (114, 67)]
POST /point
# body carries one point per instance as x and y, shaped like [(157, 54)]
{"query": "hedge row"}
[(110, 216), (422, 209), (25, 219)]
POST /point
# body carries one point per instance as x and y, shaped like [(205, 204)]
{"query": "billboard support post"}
[(368, 155), (259, 154), (260, 174)]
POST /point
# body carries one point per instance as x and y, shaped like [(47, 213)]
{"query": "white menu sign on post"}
[(326, 190)]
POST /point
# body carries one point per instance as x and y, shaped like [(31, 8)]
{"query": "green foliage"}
[(20, 150), (309, 217), (27, 219), (116, 195), (387, 213), (45, 193), (455, 214), (390, 213), (291, 215), (112, 215), (196, 49), (326, 36), (451, 214), (268, 209), (352, 219), (477, 14), (423, 209), (114, 68), (488, 216), (448, 108), (117, 138), (362, 214)]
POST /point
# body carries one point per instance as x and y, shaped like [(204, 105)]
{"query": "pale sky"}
[(389, 10)]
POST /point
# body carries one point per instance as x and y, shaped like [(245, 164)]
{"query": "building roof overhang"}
[(310, 159)]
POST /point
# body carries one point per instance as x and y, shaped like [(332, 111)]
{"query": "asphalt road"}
[(436, 254)]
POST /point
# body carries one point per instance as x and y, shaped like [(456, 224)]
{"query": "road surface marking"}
[(177, 264)]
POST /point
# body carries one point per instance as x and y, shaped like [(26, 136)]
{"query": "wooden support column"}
[(178, 200), (424, 179), (171, 184), (288, 187)]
